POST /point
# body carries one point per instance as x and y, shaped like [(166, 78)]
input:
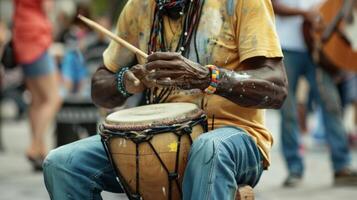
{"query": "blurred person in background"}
[(83, 49), (32, 36), (83, 54), (96, 47), (298, 62), (3, 38), (348, 91), (11, 81)]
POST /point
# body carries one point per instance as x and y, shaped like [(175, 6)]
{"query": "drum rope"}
[(122, 184), (212, 124), (105, 140), (139, 137), (171, 176), (177, 159), (137, 168)]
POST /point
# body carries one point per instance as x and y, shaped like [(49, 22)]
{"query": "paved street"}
[(18, 182)]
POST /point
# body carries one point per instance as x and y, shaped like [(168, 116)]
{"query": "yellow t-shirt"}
[(230, 31)]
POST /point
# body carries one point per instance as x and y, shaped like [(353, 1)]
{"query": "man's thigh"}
[(219, 161), (85, 158)]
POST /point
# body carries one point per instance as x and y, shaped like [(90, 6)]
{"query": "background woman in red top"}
[(32, 36)]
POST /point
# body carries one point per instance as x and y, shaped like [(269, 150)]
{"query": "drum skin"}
[(153, 183)]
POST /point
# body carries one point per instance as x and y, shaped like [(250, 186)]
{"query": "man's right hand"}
[(135, 80), (105, 88)]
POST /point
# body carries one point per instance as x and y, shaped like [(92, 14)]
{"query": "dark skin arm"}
[(262, 83), (104, 88), (104, 91)]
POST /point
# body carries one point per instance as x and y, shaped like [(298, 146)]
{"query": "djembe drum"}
[(148, 147)]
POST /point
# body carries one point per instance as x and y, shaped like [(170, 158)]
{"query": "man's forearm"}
[(104, 89), (265, 87)]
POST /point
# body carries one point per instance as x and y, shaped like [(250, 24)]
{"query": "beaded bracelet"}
[(211, 89), (120, 82)]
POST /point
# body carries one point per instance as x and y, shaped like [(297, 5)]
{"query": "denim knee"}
[(56, 157), (216, 142), (203, 146)]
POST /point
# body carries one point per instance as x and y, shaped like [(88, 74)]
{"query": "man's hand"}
[(172, 69), (105, 89), (132, 81), (314, 18)]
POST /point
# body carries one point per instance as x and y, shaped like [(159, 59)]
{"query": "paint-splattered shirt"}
[(230, 31)]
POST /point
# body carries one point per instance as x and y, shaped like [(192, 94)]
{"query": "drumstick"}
[(114, 37), (117, 39)]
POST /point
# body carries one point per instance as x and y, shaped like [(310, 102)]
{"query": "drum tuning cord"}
[(145, 136), (212, 125)]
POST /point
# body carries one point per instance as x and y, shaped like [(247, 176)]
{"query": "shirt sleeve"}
[(116, 55), (256, 30)]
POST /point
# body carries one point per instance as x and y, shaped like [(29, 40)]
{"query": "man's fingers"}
[(132, 78), (172, 82), (167, 74), (139, 71), (162, 64), (163, 56)]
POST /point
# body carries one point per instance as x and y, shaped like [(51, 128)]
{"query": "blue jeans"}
[(44, 65), (219, 161), (326, 94)]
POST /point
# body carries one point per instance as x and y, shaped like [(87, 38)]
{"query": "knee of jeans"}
[(204, 148), (57, 157)]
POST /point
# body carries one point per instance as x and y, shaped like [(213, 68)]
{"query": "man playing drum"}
[(221, 55)]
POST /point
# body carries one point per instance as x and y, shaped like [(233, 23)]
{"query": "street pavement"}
[(18, 182)]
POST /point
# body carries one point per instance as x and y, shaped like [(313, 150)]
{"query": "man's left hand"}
[(172, 69)]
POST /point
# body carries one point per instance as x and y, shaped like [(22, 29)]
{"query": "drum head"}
[(155, 115)]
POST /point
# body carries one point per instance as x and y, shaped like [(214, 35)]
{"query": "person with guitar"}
[(299, 62)]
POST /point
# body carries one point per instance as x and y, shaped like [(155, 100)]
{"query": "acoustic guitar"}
[(332, 45)]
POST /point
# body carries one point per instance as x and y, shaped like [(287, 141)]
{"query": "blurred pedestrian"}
[(299, 63), (74, 68), (32, 36), (348, 90), (3, 37)]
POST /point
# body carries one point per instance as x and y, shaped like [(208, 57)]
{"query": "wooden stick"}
[(119, 40)]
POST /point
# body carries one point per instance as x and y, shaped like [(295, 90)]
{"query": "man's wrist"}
[(214, 77), (121, 82)]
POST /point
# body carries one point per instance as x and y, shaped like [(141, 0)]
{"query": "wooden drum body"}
[(148, 146)]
